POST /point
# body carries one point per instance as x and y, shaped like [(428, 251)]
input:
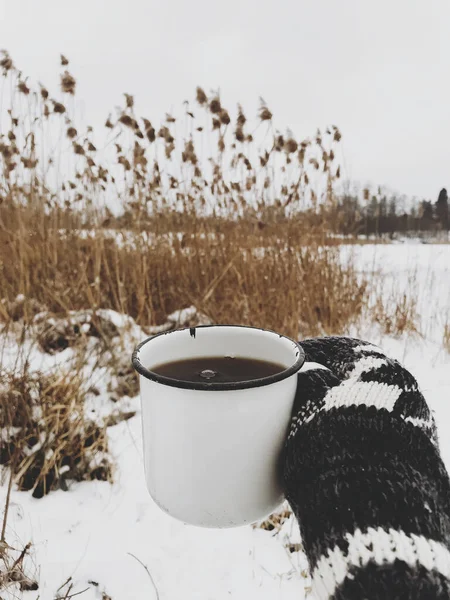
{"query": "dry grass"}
[(12, 572), (446, 337), (250, 204), (397, 316), (208, 161), (46, 437), (275, 521), (278, 282)]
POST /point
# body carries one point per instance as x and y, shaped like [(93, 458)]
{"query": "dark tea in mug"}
[(218, 369)]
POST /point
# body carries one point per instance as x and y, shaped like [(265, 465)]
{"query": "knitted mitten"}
[(364, 477)]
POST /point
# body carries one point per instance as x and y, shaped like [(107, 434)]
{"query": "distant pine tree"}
[(441, 209), (427, 222)]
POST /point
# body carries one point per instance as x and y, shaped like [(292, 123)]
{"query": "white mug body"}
[(212, 451)]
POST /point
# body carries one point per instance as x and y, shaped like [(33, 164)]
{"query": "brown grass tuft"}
[(46, 436), (12, 572), (446, 337), (398, 315)]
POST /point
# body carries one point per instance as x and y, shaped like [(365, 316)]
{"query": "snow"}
[(88, 532), (91, 532), (420, 272), (183, 315)]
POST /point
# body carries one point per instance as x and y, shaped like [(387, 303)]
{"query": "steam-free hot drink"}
[(218, 369)]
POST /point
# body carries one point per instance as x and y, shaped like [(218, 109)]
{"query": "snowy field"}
[(98, 533), (420, 273)]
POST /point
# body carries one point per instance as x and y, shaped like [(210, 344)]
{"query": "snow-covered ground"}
[(91, 532), (419, 272)]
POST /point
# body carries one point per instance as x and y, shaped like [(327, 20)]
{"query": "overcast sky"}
[(379, 69)]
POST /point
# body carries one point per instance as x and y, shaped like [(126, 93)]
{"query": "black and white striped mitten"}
[(364, 477)]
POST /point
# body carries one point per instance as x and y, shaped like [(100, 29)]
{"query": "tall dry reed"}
[(209, 208)]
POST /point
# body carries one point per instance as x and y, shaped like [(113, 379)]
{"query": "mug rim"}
[(231, 385)]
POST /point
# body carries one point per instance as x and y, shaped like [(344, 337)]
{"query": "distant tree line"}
[(387, 215)]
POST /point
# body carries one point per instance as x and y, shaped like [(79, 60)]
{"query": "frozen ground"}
[(90, 532), (419, 272)]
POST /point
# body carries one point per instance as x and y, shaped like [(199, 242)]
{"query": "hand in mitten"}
[(364, 477)]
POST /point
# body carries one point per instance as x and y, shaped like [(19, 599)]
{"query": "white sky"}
[(379, 69)]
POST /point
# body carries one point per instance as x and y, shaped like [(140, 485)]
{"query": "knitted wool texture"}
[(364, 477)]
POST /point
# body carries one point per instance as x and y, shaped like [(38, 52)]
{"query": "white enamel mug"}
[(211, 450)]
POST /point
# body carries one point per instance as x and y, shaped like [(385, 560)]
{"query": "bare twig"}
[(217, 280), (149, 574), (22, 554), (67, 597), (8, 496), (65, 583)]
